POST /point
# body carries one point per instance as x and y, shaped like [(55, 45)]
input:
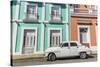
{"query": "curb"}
[(25, 57)]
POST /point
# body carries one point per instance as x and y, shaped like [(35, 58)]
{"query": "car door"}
[(73, 49), (65, 50)]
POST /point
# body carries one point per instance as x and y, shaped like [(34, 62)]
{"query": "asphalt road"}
[(58, 61)]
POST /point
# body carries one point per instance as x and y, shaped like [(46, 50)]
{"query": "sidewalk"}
[(26, 57), (36, 57), (42, 60)]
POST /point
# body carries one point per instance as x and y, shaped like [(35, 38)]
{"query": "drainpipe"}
[(44, 24), (69, 34), (44, 34)]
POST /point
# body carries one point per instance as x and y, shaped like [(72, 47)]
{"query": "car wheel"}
[(83, 55), (51, 57)]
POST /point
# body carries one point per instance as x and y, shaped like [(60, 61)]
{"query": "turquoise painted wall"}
[(18, 43), (48, 6), (23, 10), (22, 15), (63, 12), (64, 15), (13, 5), (62, 26), (47, 12), (13, 9), (40, 5)]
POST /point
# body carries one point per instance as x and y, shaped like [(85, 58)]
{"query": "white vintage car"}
[(67, 49)]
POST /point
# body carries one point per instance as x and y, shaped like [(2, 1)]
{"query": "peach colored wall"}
[(84, 6), (93, 35), (74, 29)]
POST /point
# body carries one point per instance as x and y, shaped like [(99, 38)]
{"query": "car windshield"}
[(64, 45)]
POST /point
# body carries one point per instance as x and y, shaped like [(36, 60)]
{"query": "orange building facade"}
[(83, 26)]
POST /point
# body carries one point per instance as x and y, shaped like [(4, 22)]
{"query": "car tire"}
[(51, 57), (83, 55)]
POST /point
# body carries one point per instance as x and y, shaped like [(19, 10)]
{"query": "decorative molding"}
[(89, 37), (49, 34), (22, 35)]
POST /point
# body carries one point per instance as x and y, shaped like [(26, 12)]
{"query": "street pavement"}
[(28, 62)]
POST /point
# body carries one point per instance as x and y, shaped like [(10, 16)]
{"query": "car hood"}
[(52, 49)]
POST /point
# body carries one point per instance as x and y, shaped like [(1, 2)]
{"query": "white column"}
[(42, 38), (17, 10), (67, 32), (14, 31), (42, 28), (43, 12)]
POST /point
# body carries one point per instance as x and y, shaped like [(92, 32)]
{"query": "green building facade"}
[(35, 26)]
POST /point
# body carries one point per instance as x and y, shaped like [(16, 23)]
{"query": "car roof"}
[(69, 41)]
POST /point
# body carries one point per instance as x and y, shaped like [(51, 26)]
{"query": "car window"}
[(65, 45), (73, 44)]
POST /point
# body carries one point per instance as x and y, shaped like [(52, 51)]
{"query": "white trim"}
[(83, 26), (16, 20), (67, 33), (50, 5), (42, 38), (19, 20), (67, 28), (22, 35), (59, 17), (26, 3), (17, 11), (49, 34), (43, 12), (64, 22), (14, 31), (25, 10), (17, 53)]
